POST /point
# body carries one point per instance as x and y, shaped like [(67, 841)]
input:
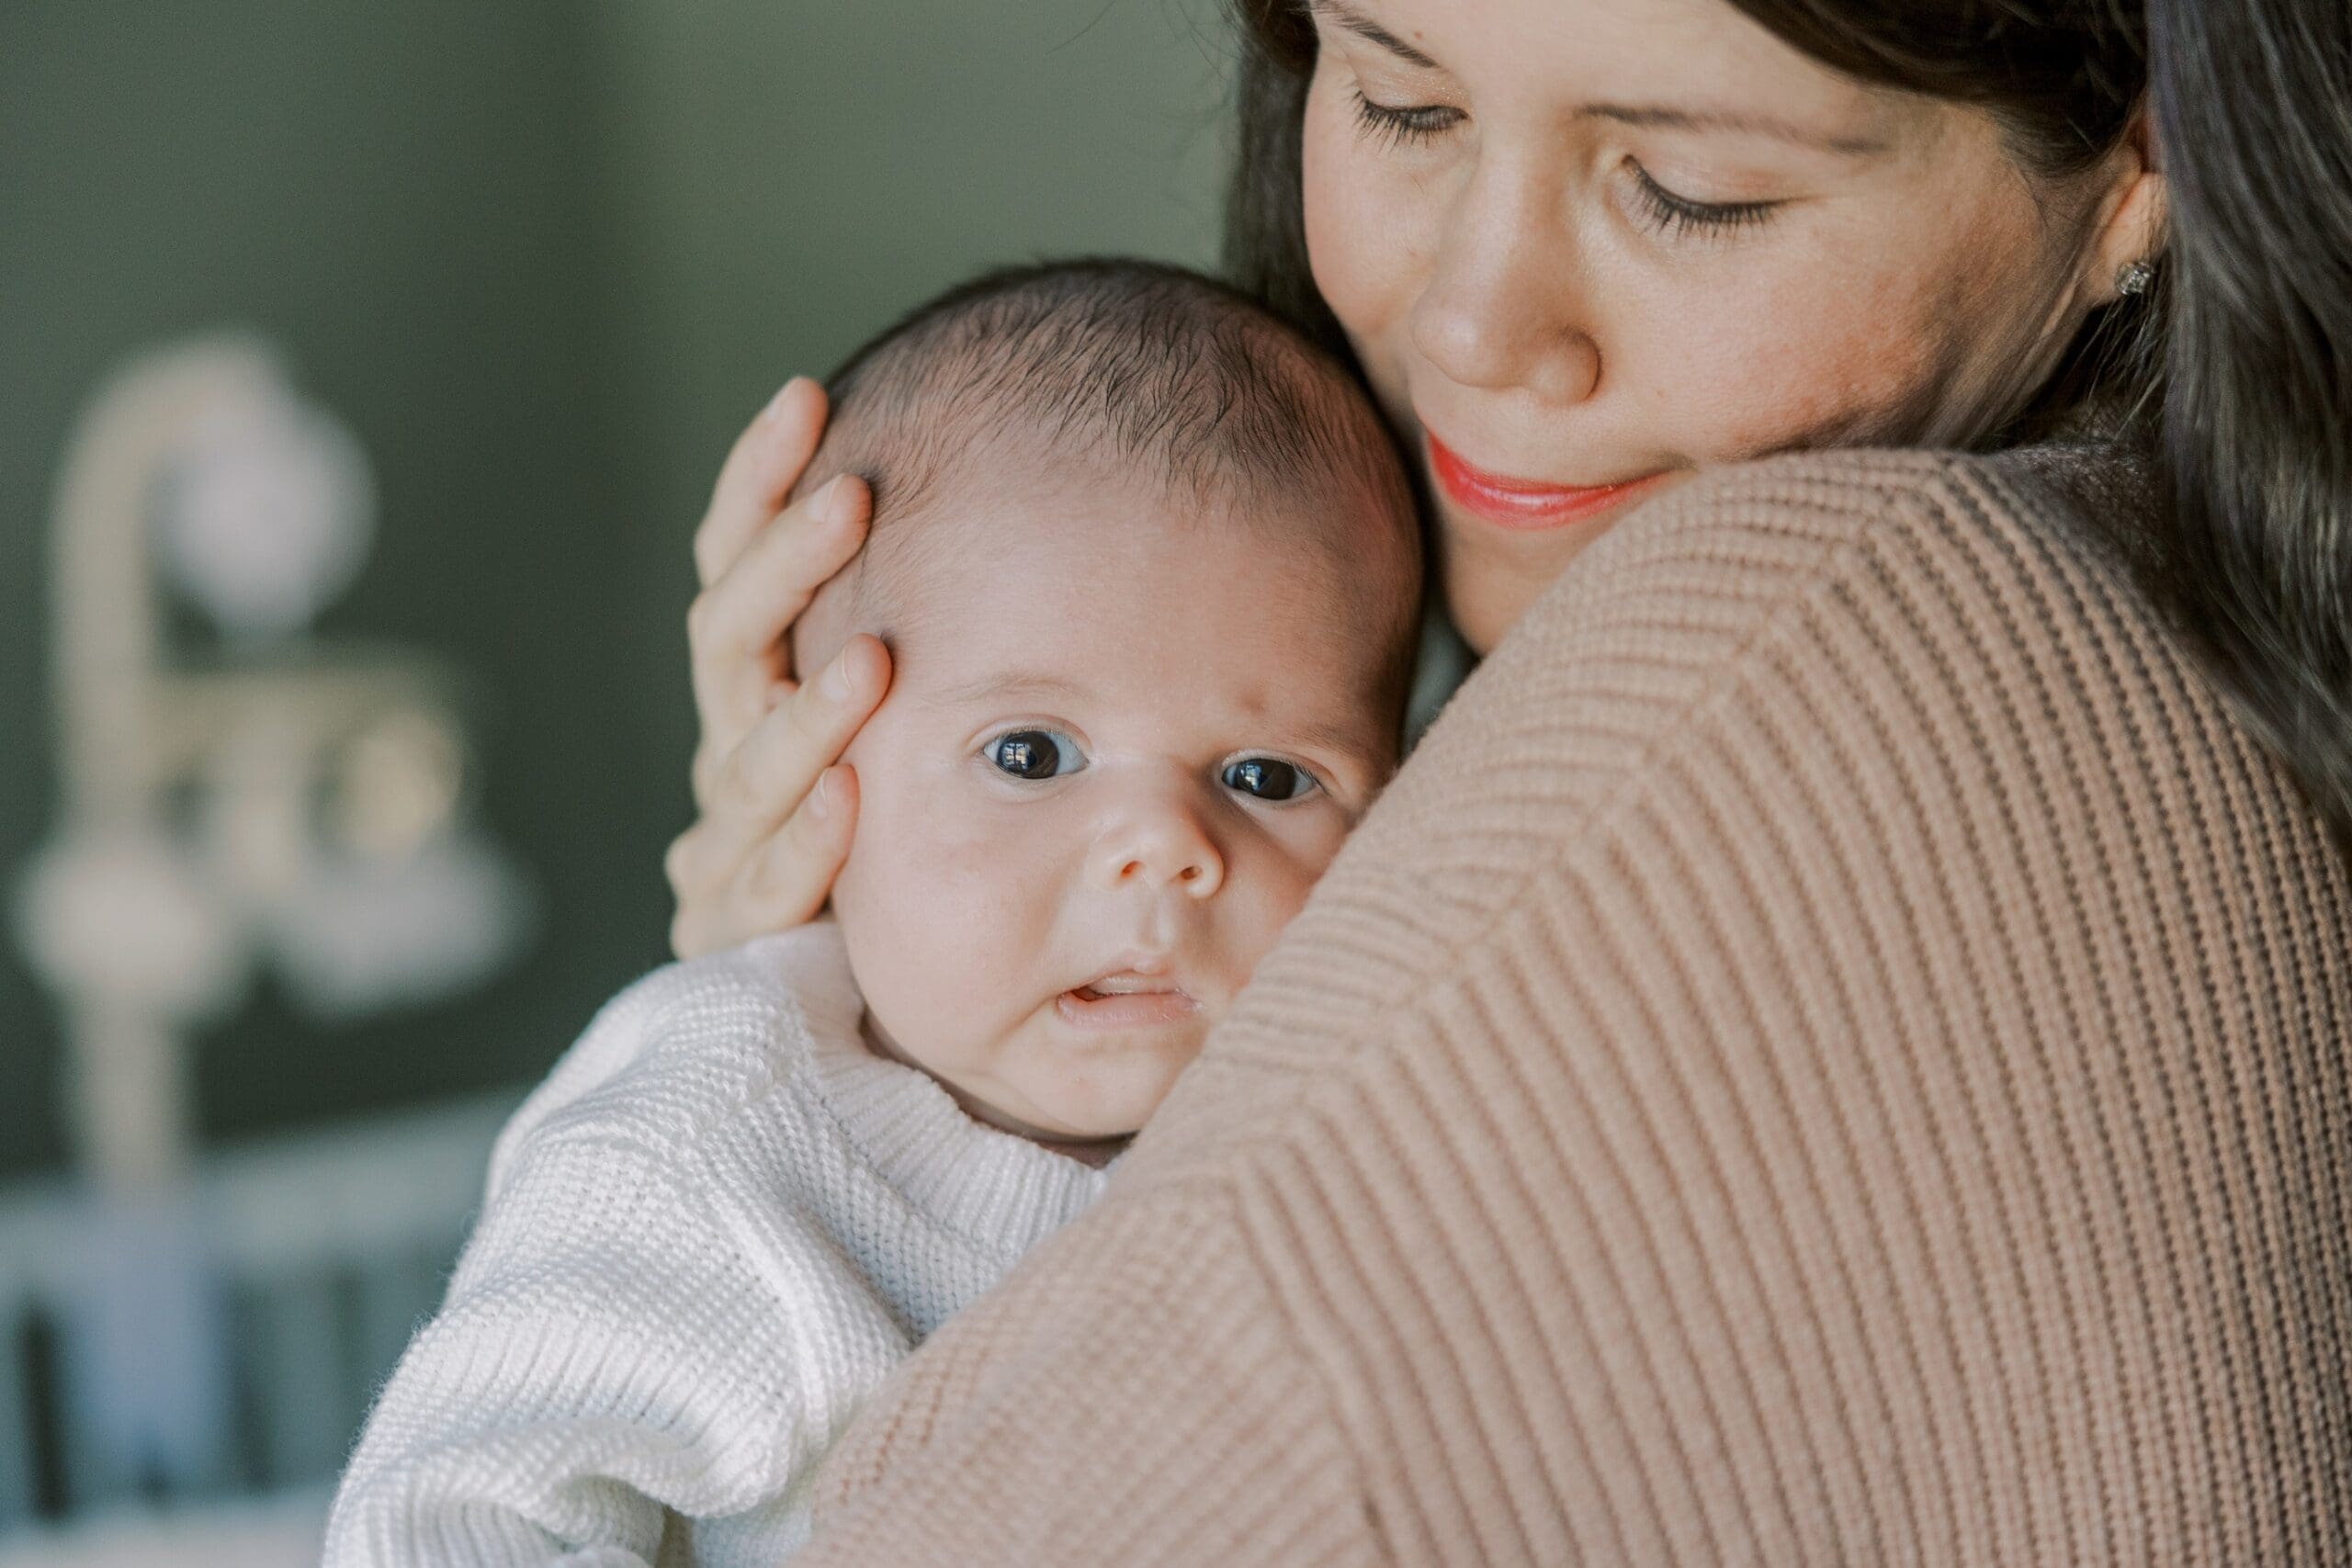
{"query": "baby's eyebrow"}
[(1001, 687)]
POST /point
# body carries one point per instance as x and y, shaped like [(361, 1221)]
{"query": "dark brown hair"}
[(2232, 371)]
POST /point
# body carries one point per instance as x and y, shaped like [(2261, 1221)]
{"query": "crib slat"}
[(302, 1402), (93, 1474), (18, 1421), (266, 1274)]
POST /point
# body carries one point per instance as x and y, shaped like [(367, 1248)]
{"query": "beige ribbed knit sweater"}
[(1833, 1051)]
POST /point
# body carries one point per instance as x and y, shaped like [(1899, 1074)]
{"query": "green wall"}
[(544, 256)]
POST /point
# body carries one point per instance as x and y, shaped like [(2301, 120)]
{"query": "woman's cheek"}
[(1804, 375), (1359, 222)]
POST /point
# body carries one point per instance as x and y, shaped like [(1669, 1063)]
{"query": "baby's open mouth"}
[(1125, 1001)]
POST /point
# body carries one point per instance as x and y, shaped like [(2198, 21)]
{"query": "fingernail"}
[(835, 503), (776, 402), (836, 681), (821, 803)]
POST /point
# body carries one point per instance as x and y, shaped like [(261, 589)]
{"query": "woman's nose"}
[(1160, 844), (1503, 308)]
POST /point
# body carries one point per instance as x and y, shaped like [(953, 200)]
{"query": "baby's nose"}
[(1163, 845)]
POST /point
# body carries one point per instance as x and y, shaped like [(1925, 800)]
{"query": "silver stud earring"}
[(2134, 277)]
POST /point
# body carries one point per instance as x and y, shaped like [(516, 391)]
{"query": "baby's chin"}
[(1042, 1119), (1075, 1106), (1054, 1085)]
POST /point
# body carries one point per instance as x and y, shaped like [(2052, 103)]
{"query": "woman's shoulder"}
[(1963, 634), (1897, 553), (1881, 563), (2073, 506)]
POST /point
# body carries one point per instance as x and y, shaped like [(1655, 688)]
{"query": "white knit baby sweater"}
[(716, 1226)]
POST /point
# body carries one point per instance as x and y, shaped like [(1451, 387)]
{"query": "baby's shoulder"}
[(692, 1049)]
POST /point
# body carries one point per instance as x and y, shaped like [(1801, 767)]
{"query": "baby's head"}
[(1147, 565)]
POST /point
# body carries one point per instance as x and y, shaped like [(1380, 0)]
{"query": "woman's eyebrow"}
[(1726, 119), (1351, 21)]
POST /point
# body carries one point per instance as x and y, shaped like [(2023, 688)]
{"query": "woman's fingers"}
[(781, 884), (737, 626), (779, 760), (773, 579), (759, 471), (777, 805)]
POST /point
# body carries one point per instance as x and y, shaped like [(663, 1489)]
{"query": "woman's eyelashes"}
[(1674, 216), (1397, 126)]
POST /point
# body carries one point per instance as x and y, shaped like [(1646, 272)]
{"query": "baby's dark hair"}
[(1132, 360), (1145, 367)]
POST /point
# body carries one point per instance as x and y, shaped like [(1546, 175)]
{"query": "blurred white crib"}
[(323, 1252), (188, 1339)]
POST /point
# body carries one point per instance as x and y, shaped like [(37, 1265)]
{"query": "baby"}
[(1145, 563)]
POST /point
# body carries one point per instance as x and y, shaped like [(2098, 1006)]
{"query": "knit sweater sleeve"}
[(1830, 1052), (614, 1367)]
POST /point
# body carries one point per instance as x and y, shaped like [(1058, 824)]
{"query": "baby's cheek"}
[(1273, 888), (913, 905), (981, 895)]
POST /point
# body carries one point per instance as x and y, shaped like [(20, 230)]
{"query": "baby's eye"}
[(1269, 778), (1035, 754)]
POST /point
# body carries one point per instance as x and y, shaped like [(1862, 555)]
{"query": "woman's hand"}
[(777, 805)]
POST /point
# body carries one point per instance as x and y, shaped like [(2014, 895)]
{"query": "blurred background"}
[(363, 369)]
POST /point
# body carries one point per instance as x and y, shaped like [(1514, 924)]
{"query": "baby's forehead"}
[(1154, 629), (1106, 563)]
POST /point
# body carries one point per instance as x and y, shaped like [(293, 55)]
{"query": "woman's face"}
[(1585, 246)]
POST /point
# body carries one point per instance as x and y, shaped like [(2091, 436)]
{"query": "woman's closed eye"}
[(1663, 210), (1397, 124), (1675, 216), (1269, 779), (1034, 755)]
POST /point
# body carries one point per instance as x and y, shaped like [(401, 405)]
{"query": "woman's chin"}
[(1486, 598), (1492, 576)]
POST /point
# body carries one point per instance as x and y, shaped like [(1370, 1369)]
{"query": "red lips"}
[(1525, 503)]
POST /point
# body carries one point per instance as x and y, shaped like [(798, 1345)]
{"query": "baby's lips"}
[(1090, 1009), (1136, 967), (1126, 982)]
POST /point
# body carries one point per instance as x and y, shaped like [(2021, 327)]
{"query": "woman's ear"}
[(2132, 211)]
